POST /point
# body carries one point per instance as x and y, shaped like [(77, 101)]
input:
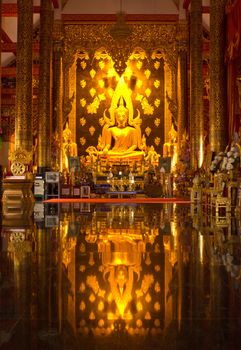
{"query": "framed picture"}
[(74, 163), (52, 177)]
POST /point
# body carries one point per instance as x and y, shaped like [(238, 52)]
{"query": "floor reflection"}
[(77, 276)]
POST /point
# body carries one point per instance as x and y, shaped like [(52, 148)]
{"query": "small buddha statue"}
[(69, 147)]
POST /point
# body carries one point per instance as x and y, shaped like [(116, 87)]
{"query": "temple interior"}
[(120, 174)]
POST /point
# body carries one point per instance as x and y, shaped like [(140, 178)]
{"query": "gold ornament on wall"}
[(83, 65), (148, 109), (83, 102), (148, 131), (92, 73), (92, 130), (157, 65), (157, 102), (157, 122), (157, 83), (82, 121), (92, 92), (83, 84), (147, 73), (139, 65), (148, 92), (93, 107), (102, 65), (157, 141), (82, 141)]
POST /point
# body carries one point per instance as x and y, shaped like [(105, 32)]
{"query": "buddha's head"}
[(121, 113)]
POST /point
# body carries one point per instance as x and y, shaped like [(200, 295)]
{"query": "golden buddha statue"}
[(69, 147), (121, 134)]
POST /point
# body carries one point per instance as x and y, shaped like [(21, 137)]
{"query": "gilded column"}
[(57, 156), (196, 85), (44, 127), (23, 120), (218, 136), (182, 116)]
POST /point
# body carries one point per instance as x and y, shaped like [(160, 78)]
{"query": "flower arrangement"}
[(226, 161)]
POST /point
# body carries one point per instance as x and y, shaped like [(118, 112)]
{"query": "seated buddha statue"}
[(123, 139)]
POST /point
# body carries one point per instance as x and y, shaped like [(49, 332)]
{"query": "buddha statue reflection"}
[(122, 140)]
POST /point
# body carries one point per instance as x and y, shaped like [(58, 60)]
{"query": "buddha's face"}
[(121, 116)]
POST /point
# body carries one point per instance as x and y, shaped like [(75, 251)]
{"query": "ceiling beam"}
[(5, 38), (11, 71), (11, 10), (12, 47), (112, 17)]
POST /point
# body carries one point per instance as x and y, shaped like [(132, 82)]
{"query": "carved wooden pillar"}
[(0, 68), (182, 116), (44, 126), (57, 95), (196, 85), (23, 120), (218, 108)]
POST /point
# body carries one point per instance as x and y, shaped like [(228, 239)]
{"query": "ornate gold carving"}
[(20, 157), (218, 107), (23, 122)]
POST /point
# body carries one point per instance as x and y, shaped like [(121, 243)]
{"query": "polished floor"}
[(103, 276)]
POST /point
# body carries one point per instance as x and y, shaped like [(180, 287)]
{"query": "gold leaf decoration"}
[(93, 107), (147, 73), (101, 83), (157, 83), (92, 316), (83, 65), (92, 130), (139, 83), (82, 287), (156, 65), (91, 259), (101, 293), (147, 316), (83, 83), (148, 131), (92, 73), (82, 121), (83, 102), (102, 97), (82, 141), (138, 323), (139, 306), (157, 122), (92, 282), (82, 268), (82, 248), (157, 306), (148, 109), (111, 73), (139, 97), (157, 141), (148, 298), (157, 102), (157, 268), (157, 287), (139, 65), (101, 306), (82, 305), (92, 92), (139, 293), (92, 298), (148, 92), (147, 282), (102, 65)]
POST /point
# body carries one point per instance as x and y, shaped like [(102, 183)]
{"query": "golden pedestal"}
[(17, 199)]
